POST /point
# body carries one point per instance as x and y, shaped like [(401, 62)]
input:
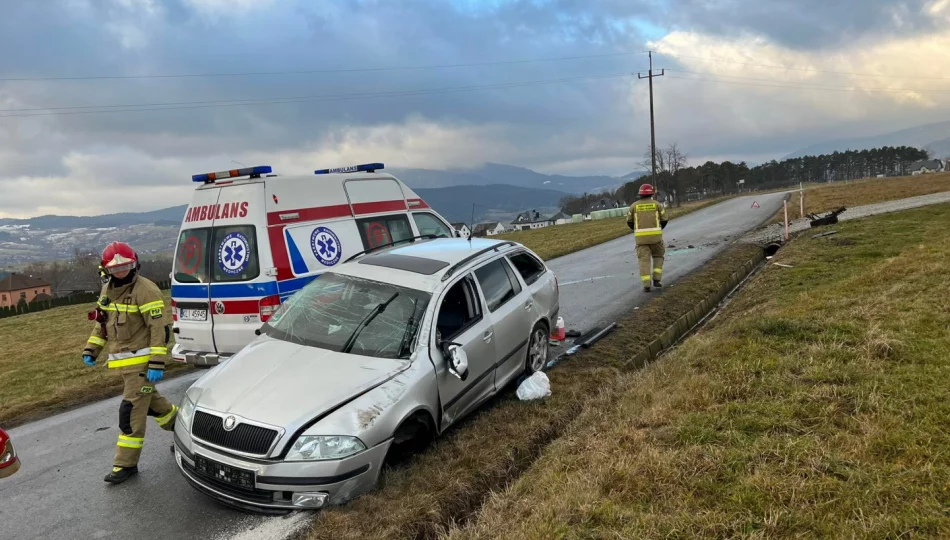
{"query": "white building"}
[(530, 220), (462, 229), (488, 229)]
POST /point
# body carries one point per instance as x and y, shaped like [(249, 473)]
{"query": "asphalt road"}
[(59, 492)]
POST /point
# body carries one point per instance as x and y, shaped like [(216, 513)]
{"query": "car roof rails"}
[(452, 269)]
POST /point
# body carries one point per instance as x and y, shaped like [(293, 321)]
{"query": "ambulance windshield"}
[(217, 255)]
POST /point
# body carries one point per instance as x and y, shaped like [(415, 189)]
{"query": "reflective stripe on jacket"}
[(647, 216), (135, 325)]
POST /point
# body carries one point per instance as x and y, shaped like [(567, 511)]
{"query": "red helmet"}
[(646, 190), (119, 257)]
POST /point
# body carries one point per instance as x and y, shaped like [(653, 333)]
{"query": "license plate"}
[(241, 478), (193, 315)]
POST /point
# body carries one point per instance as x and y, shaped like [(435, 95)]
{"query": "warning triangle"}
[(755, 204)]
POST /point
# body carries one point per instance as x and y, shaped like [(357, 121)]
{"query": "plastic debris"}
[(537, 386)]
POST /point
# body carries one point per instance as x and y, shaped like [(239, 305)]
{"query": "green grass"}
[(815, 406), (450, 481), (41, 367), (553, 242)]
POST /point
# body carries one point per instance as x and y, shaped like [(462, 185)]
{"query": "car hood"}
[(286, 385)]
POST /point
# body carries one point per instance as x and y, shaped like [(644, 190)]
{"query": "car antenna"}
[(471, 227)]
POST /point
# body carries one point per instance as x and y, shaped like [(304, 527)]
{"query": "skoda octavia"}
[(379, 355)]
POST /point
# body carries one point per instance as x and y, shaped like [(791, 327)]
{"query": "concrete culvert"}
[(772, 249)]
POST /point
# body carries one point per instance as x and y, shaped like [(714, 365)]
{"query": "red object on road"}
[(755, 204), (560, 332), (9, 462)]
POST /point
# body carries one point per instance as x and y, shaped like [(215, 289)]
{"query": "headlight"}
[(186, 411), (321, 447)]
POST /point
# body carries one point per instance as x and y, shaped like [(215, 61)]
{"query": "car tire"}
[(537, 355)]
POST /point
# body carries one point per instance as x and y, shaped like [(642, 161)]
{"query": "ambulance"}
[(250, 239)]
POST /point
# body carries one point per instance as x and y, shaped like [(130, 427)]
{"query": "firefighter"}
[(130, 317), (647, 218)]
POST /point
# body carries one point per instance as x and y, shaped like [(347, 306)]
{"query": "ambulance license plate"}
[(193, 315), (241, 478)]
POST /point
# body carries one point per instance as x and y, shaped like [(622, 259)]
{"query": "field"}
[(826, 197), (814, 406), (553, 242), (41, 368), (487, 451)]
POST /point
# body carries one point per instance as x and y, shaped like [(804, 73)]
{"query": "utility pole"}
[(650, 76)]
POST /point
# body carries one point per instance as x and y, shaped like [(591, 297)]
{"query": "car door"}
[(510, 309), (461, 318)]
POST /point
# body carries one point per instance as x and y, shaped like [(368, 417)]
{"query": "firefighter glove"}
[(155, 375), (630, 224), (90, 361)]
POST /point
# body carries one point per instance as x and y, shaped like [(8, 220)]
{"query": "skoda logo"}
[(219, 307), (230, 422)]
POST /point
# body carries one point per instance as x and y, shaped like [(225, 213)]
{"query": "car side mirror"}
[(457, 361)]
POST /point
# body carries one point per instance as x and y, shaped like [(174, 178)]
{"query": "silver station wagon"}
[(378, 356)]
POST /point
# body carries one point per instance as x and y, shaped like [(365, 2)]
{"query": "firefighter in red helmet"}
[(130, 317), (647, 218)]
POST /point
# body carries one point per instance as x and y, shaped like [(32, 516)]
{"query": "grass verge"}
[(553, 242), (814, 406), (449, 482), (826, 197), (41, 367)]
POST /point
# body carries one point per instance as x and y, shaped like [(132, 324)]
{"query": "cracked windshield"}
[(351, 315)]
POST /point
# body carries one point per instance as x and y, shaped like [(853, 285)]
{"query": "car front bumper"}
[(280, 486), (198, 358)]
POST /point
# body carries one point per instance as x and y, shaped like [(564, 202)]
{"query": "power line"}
[(810, 70), (650, 76), (794, 86), (314, 71), (284, 100)]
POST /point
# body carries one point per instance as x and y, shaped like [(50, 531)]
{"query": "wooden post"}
[(801, 199), (785, 203)]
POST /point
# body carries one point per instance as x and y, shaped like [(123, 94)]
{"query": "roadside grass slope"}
[(814, 406), (41, 367)]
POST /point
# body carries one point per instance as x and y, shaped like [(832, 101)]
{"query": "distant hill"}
[(933, 137), (167, 215), (494, 173), (455, 203)]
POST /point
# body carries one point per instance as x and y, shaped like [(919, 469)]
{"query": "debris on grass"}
[(824, 234)]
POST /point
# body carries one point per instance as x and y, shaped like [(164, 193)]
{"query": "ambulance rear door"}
[(191, 275), (380, 209), (243, 285)]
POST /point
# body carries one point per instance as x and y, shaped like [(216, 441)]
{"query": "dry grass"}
[(552, 242), (815, 406), (448, 483), (41, 367), (826, 197)]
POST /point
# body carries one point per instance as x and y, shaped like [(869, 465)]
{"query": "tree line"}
[(674, 175)]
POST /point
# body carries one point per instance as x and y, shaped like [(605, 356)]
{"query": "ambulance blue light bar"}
[(233, 173), (368, 167)]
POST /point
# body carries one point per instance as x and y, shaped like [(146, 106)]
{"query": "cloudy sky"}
[(437, 83)]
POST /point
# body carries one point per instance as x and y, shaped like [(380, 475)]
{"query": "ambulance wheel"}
[(537, 356)]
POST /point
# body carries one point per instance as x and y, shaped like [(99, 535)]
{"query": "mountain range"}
[(933, 137), (499, 192)]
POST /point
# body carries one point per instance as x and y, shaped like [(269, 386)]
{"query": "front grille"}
[(255, 495), (243, 438)]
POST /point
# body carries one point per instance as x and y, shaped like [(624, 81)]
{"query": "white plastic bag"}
[(536, 386)]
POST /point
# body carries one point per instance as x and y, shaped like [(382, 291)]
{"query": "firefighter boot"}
[(657, 284), (121, 474)]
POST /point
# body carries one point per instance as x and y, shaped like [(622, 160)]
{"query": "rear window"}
[(217, 254), (383, 230)]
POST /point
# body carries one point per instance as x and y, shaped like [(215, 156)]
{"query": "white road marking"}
[(584, 280)]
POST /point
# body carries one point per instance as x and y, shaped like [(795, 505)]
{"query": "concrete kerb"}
[(689, 320)]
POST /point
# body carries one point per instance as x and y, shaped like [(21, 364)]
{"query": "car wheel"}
[(537, 350)]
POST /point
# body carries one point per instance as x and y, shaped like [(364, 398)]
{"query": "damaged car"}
[(373, 358)]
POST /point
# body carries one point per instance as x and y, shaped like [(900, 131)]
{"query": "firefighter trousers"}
[(140, 399), (651, 261)]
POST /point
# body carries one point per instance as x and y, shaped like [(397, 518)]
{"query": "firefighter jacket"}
[(134, 331), (647, 218)]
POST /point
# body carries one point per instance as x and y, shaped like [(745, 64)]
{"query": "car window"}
[(191, 256), (382, 230), (496, 284), (334, 312), (235, 254), (529, 267), (459, 310), (429, 224)]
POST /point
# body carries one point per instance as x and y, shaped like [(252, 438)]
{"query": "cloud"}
[(76, 163)]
